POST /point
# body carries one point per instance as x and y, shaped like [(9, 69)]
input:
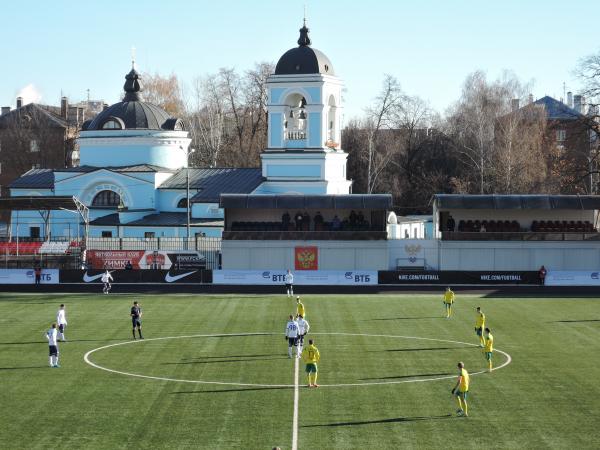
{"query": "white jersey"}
[(106, 277), (61, 317), (289, 278), (303, 326), (291, 329), (51, 335)]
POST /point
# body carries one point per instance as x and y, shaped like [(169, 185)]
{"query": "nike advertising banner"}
[(303, 278), (138, 276), (572, 278), (450, 277), (141, 259), (27, 276)]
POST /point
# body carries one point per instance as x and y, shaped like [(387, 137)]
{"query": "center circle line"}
[(88, 360)]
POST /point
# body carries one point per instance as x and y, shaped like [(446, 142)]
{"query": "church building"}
[(134, 176)]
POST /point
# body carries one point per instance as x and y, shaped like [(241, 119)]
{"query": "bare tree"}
[(588, 71), (206, 119), (165, 92), (381, 115), (520, 165)]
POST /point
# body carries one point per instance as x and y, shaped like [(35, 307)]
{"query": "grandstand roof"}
[(461, 201), (38, 203), (293, 201)]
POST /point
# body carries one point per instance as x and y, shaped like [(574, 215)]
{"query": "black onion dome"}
[(133, 112), (304, 59)]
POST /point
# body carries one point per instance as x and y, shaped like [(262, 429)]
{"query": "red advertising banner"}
[(306, 258), (141, 259), (114, 259)]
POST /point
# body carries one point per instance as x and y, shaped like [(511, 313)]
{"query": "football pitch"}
[(213, 372)]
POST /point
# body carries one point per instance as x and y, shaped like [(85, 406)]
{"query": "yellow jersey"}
[(463, 385), (311, 354), (480, 323), (300, 309), (449, 297), (489, 343)]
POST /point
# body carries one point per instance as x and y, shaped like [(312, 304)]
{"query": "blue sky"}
[(430, 46)]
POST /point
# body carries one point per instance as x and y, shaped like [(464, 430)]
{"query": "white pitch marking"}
[(87, 359), (296, 402)]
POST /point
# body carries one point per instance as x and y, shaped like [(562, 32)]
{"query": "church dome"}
[(133, 113), (304, 59)]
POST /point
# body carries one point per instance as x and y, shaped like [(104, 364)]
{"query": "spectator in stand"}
[(450, 223), (352, 218), (542, 275), (318, 220), (482, 229), (298, 218), (38, 274), (285, 221), (306, 221), (128, 266), (336, 223), (360, 218)]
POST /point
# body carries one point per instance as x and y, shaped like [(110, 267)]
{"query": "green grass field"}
[(547, 397)]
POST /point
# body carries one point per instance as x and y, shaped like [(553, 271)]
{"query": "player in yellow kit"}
[(489, 348), (300, 310), (479, 326), (461, 389), (311, 357), (448, 301)]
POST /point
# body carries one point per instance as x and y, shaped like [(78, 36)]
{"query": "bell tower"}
[(305, 115)]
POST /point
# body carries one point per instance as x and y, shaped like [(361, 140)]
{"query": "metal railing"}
[(151, 244), (518, 236), (44, 261), (295, 135), (305, 235)]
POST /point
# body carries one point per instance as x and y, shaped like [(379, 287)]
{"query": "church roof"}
[(304, 59), (34, 179), (134, 168), (44, 178), (211, 183), (163, 219), (133, 112)]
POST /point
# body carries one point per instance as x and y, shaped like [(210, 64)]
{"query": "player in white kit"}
[(289, 283), (106, 279), (51, 336), (291, 336), (303, 328), (61, 320)]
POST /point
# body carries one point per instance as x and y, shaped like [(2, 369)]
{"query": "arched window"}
[(331, 119), (107, 199), (296, 117), (182, 203), (113, 123)]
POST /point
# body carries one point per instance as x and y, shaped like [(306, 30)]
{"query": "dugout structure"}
[(28, 251), (334, 232)]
